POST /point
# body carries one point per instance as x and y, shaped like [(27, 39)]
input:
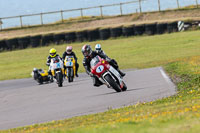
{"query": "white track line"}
[(165, 75)]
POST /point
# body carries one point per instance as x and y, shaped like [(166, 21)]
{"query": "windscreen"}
[(94, 61), (56, 60), (69, 58)]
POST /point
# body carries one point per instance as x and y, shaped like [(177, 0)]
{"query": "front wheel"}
[(59, 78), (70, 75), (112, 83), (70, 79), (40, 80)]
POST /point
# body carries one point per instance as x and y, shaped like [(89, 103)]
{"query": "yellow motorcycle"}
[(41, 76), (70, 66)]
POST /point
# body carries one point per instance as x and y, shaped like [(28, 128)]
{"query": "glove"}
[(48, 64), (108, 59)]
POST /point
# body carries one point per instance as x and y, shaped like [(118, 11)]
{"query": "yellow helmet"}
[(52, 52)]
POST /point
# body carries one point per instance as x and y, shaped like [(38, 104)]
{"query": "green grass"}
[(133, 52), (179, 113)]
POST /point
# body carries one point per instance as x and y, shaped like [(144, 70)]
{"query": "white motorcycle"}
[(57, 70)]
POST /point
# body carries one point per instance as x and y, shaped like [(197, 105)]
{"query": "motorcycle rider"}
[(52, 54), (88, 55), (69, 52), (99, 50)]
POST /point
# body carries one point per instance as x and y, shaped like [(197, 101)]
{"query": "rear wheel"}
[(112, 83)]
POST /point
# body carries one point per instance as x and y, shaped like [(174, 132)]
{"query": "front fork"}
[(102, 79), (117, 75)]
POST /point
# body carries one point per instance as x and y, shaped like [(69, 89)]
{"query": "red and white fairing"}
[(101, 68)]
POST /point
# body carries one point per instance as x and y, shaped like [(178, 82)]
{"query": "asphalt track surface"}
[(24, 102)]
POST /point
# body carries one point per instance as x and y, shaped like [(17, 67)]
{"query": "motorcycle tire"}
[(70, 75), (40, 81), (38, 77), (59, 78), (35, 76), (124, 87), (112, 83), (70, 79)]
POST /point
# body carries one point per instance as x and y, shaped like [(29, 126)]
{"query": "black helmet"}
[(86, 50)]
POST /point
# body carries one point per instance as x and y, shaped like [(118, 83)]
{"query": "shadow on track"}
[(110, 93)]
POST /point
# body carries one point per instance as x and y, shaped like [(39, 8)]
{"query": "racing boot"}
[(76, 73), (77, 66), (96, 82), (121, 73), (51, 79), (50, 76), (64, 75)]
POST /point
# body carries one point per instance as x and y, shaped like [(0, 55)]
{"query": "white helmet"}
[(98, 48), (69, 49)]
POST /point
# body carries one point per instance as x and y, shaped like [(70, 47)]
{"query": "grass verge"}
[(179, 113)]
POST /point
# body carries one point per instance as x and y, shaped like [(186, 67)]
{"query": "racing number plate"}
[(58, 65), (69, 63), (100, 69)]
